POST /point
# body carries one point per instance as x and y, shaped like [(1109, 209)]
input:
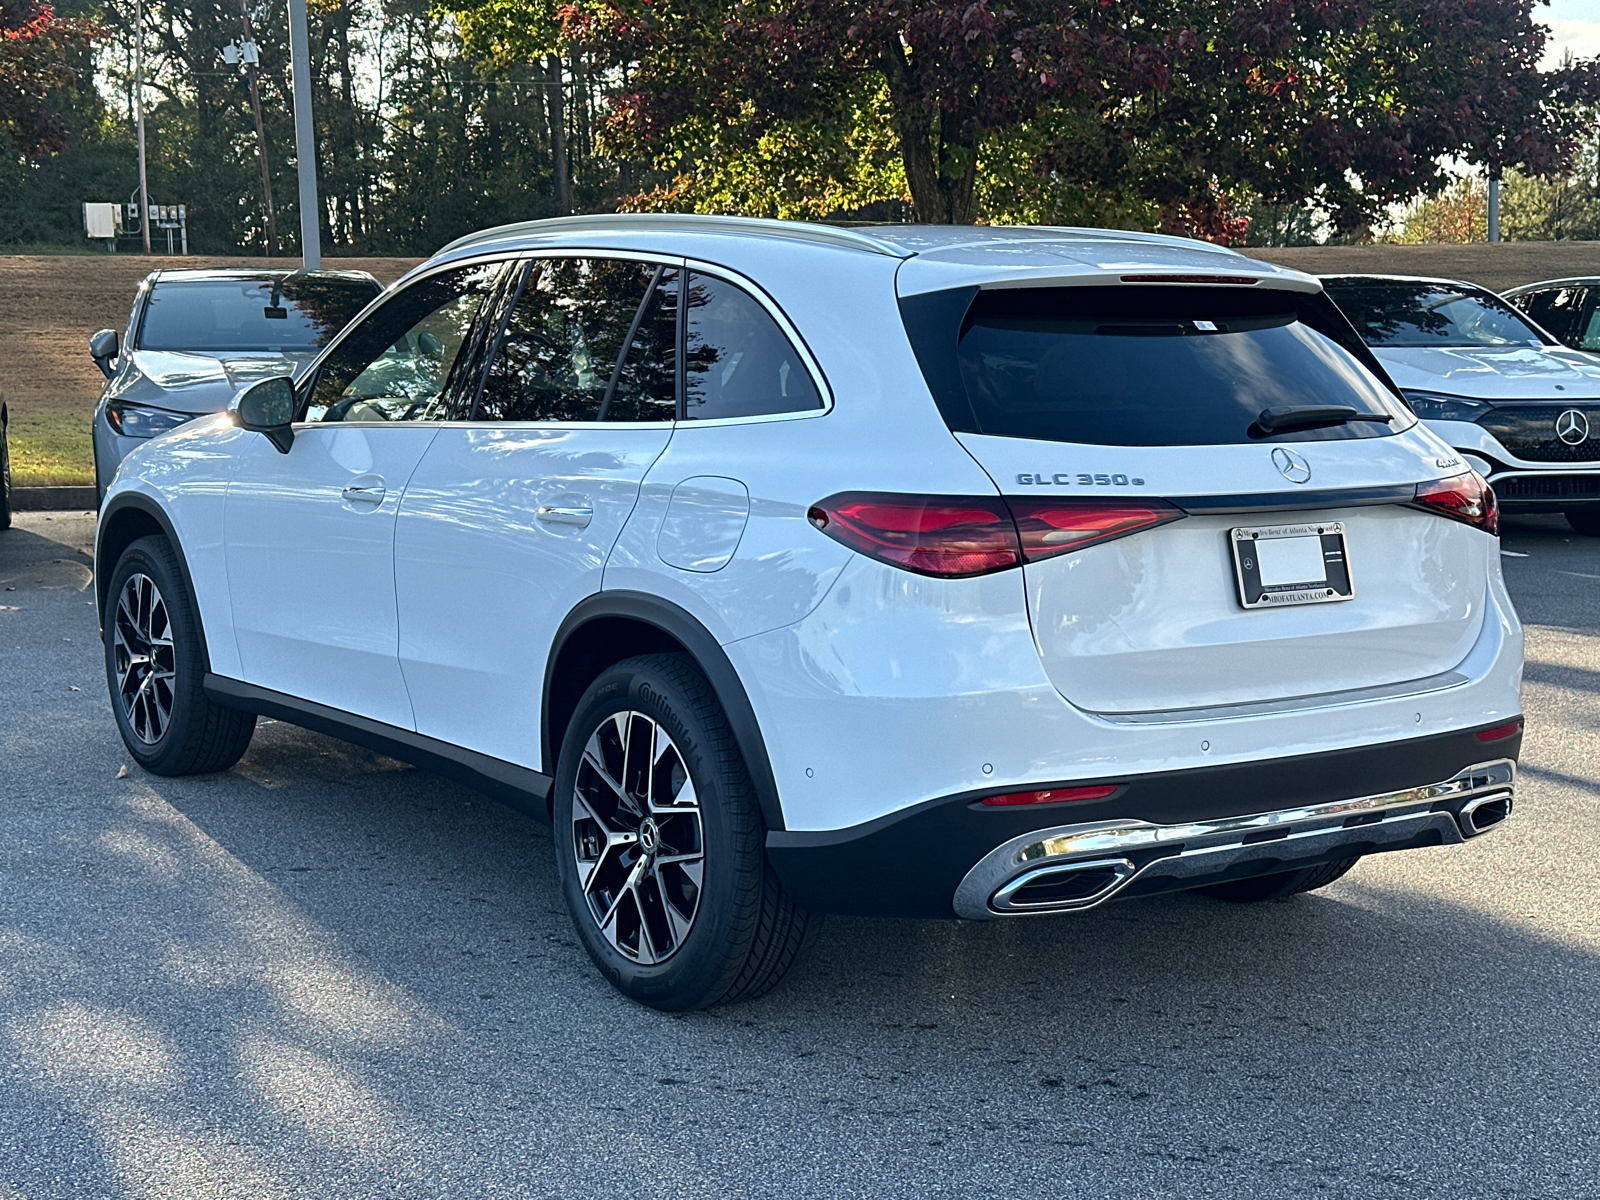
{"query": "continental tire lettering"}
[(668, 718)]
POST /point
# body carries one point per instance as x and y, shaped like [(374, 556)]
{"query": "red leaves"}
[(35, 58)]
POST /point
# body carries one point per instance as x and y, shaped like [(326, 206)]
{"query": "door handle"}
[(368, 495), (556, 514)]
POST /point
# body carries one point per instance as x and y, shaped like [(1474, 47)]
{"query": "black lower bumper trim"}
[(910, 863)]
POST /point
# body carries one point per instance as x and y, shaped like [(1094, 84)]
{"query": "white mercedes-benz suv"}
[(1521, 409), (789, 569)]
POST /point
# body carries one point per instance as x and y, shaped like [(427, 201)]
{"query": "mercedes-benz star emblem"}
[(1572, 427), (1294, 468)]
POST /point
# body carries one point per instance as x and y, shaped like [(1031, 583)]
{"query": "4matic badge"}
[(1069, 479)]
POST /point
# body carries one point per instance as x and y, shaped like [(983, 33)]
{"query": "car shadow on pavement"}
[(327, 973)]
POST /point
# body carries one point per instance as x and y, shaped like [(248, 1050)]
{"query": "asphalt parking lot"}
[(327, 974)]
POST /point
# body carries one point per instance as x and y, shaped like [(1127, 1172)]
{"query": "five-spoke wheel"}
[(637, 838), (661, 845), (141, 632)]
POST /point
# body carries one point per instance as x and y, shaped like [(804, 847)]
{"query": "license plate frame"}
[(1337, 584)]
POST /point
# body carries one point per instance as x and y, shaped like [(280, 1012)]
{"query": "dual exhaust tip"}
[(1484, 813), (1077, 885)]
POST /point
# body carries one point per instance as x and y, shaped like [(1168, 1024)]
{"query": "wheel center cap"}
[(649, 836)]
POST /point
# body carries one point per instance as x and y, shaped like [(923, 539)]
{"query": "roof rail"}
[(828, 235)]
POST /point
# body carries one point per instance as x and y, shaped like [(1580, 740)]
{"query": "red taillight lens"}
[(1055, 795), (1467, 498), (957, 536), (947, 536), (1501, 732), (1051, 527)]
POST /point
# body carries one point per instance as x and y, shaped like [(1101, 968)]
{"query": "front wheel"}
[(5, 470), (660, 843), (155, 668)]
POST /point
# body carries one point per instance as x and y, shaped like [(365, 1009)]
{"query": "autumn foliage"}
[(37, 50), (1027, 109)]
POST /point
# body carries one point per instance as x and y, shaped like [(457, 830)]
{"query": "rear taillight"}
[(953, 537), (1053, 795), (948, 536), (1051, 527), (1467, 498)]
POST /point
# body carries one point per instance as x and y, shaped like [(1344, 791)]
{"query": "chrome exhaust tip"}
[(1484, 813), (1064, 887)]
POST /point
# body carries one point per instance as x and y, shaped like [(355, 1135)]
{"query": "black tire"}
[(731, 936), (5, 469), (1585, 521), (1275, 887), (195, 736)]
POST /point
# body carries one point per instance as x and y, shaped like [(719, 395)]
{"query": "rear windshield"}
[(1157, 366), (250, 314), (1429, 314)]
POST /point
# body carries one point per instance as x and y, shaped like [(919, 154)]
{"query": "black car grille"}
[(1554, 487), (1530, 433)]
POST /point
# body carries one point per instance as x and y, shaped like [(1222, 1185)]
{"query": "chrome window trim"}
[(502, 255)]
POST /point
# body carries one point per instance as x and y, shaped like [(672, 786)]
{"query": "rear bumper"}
[(1156, 833)]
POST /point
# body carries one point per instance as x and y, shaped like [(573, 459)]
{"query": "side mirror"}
[(267, 408), (430, 345), (103, 347)]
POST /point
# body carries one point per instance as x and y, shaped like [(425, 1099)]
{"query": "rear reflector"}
[(1057, 795), (1500, 732), (1052, 527), (954, 537), (1467, 498)]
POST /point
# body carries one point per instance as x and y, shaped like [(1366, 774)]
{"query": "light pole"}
[(305, 142), (138, 110)]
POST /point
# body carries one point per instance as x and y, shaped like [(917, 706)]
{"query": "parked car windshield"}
[(1161, 366), (282, 316), (1398, 314)]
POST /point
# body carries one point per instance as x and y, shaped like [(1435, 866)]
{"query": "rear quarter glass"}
[(1143, 366)]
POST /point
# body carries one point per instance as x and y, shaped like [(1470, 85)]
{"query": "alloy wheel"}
[(638, 838), (142, 643)]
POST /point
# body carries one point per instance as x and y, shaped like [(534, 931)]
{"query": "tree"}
[(37, 57), (1156, 112)]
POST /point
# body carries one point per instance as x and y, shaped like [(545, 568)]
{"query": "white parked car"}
[(1523, 410), (792, 569)]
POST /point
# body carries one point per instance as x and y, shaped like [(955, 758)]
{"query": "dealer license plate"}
[(1280, 565)]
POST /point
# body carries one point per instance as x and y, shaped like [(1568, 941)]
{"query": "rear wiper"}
[(1273, 420)]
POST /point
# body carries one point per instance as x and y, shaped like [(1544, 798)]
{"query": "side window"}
[(1589, 326), (397, 365), (737, 361), (561, 356), (1556, 309)]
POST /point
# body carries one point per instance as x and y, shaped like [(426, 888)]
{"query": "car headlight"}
[(137, 421), (1431, 406)]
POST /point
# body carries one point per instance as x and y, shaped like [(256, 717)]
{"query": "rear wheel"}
[(660, 843), (155, 668), (1585, 521), (1274, 887)]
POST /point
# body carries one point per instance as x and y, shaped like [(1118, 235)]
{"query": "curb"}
[(53, 499)]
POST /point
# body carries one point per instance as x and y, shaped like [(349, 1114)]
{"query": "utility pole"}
[(261, 131), (1494, 204), (305, 141), (138, 110)]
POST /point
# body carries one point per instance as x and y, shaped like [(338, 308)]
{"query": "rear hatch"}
[(1277, 557)]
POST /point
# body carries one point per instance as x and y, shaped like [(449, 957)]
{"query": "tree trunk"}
[(936, 198), (558, 136)]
